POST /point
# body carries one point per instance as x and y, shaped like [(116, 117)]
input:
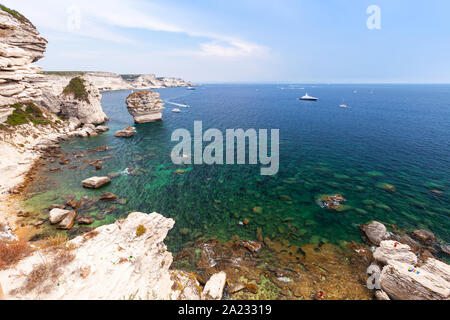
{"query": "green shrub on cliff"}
[(78, 89), (15, 14), (32, 113)]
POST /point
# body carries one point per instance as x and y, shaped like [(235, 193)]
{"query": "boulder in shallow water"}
[(95, 182), (100, 129), (126, 132), (374, 231), (57, 215), (84, 220), (6, 233), (108, 196)]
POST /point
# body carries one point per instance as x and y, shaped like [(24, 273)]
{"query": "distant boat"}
[(190, 88), (343, 105), (307, 97), (176, 110)]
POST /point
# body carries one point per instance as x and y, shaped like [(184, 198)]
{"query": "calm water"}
[(391, 134)]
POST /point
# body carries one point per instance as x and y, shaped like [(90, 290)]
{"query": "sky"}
[(289, 41)]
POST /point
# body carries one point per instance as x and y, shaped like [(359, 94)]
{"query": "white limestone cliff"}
[(124, 260), (20, 46)]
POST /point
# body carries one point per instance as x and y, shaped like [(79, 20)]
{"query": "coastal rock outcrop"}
[(145, 106), (124, 260), (81, 99), (214, 287), (20, 46), (404, 277)]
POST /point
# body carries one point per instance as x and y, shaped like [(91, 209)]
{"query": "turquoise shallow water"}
[(391, 134)]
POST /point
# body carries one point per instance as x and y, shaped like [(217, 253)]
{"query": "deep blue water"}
[(396, 134)]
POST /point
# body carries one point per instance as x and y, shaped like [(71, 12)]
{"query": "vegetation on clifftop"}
[(78, 89), (15, 14), (25, 113), (65, 73)]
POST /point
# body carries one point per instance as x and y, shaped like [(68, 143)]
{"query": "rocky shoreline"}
[(128, 259)]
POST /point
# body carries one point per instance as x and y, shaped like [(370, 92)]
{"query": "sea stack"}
[(145, 106)]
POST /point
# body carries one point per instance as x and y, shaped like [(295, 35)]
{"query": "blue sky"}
[(310, 41)]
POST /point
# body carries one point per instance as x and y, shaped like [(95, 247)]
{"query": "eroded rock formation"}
[(145, 106), (81, 99), (124, 260), (405, 278)]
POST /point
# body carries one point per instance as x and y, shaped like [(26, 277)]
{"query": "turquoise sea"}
[(391, 134)]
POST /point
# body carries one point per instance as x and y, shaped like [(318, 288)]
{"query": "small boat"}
[(307, 97), (343, 105), (190, 88), (176, 110)]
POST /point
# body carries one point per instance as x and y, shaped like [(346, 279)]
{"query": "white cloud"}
[(100, 17)]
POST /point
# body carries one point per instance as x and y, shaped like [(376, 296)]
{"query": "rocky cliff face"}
[(20, 46), (145, 106), (124, 260), (81, 99)]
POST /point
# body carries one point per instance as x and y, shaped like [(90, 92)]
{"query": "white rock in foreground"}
[(432, 282), (113, 262), (214, 287), (392, 251)]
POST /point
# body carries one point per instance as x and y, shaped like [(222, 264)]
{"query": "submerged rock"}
[(425, 236), (68, 221), (85, 220), (57, 215), (332, 202), (95, 182), (214, 287), (145, 106), (386, 186), (108, 196)]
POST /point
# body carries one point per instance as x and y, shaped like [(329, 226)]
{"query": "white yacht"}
[(307, 97), (344, 105), (176, 110)]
